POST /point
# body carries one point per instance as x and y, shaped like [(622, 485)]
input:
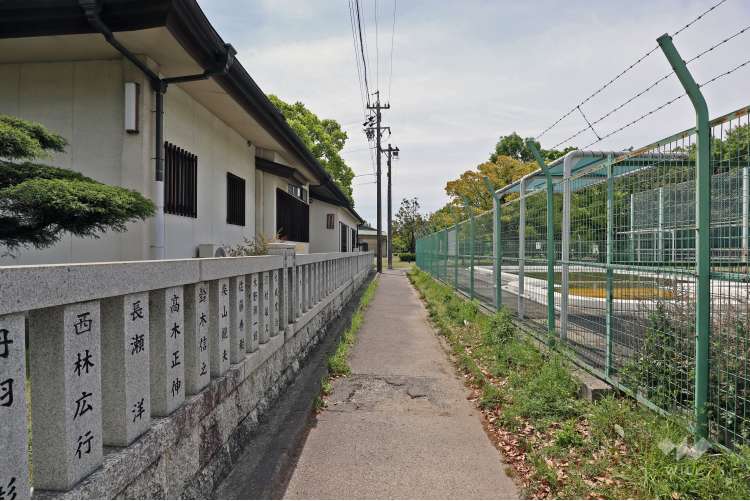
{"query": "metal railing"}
[(641, 270)]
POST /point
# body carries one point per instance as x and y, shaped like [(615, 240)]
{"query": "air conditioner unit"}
[(211, 250)]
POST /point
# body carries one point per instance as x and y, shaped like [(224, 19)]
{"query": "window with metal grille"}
[(354, 239), (235, 200), (329, 221), (292, 218), (180, 181)]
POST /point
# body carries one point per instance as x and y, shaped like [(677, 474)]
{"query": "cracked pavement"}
[(400, 426)]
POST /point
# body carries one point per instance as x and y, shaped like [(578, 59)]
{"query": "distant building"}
[(368, 237), (233, 168)]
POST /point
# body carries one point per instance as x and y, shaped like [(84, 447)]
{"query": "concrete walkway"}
[(400, 426)]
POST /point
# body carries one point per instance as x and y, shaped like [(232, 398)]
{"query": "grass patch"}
[(338, 363), (398, 264), (559, 445)]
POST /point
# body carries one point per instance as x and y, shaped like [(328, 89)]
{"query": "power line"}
[(627, 69), (366, 39), (377, 49), (393, 35), (650, 87), (356, 149), (362, 51), (356, 57)]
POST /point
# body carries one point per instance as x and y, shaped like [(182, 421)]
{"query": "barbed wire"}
[(671, 101), (726, 73), (700, 16), (650, 87), (629, 124), (597, 92), (627, 69)]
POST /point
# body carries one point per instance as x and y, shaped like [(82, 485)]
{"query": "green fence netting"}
[(625, 271)]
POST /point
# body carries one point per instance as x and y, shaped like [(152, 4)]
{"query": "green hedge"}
[(407, 257)]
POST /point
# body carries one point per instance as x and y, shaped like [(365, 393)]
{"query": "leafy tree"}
[(512, 146), (736, 145), (324, 138), (444, 217), (515, 147), (408, 225), (501, 172), (39, 202)]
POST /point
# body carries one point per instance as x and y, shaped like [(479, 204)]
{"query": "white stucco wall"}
[(84, 102), (321, 238), (220, 149)]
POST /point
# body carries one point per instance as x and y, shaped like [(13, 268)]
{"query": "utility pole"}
[(378, 133), (392, 153)]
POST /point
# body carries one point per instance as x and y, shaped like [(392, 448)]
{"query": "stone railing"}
[(113, 346)]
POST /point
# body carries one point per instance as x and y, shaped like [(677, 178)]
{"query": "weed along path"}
[(399, 425)]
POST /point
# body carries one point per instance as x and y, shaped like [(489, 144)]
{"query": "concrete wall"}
[(323, 239), (188, 453)]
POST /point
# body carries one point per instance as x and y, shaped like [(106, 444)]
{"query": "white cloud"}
[(466, 72)]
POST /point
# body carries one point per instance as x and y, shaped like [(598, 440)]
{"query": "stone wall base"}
[(187, 454)]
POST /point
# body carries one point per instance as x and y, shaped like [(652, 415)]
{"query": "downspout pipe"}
[(92, 9)]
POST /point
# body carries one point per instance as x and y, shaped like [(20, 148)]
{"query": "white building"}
[(232, 167)]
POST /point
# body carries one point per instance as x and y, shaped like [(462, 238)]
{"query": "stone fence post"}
[(112, 346), (283, 303)]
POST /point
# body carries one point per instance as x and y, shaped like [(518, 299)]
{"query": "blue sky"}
[(466, 72)]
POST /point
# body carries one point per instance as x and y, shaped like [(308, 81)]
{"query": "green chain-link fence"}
[(626, 278)]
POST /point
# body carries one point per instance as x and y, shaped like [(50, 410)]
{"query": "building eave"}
[(317, 194)]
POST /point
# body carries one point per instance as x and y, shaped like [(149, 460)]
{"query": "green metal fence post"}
[(434, 255), (702, 233), (447, 255), (456, 249), (471, 246), (444, 247), (610, 274), (550, 236), (497, 251)]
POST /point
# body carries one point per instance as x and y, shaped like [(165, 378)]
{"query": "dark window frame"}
[(343, 236), (180, 181), (297, 191), (235, 200), (330, 221), (292, 217)]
